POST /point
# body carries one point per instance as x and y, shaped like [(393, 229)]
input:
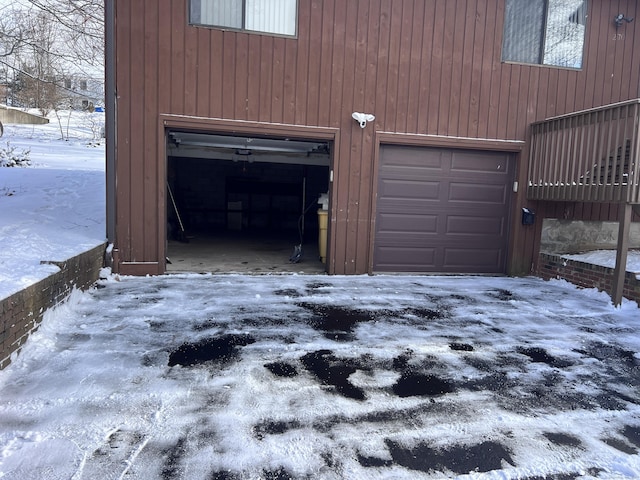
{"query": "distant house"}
[(248, 107), (83, 92)]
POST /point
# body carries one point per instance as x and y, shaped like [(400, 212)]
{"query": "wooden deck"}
[(588, 156), (592, 156)]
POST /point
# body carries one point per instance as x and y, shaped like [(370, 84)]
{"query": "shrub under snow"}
[(14, 157)]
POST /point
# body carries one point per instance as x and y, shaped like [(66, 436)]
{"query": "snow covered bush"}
[(13, 157), (94, 123)]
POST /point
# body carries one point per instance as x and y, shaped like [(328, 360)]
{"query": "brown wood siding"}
[(421, 66)]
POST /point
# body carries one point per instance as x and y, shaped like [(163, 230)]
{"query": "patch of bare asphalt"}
[(337, 323), (222, 349), (420, 375), (459, 459), (333, 371)]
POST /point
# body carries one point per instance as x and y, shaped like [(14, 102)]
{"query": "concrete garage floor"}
[(240, 253)]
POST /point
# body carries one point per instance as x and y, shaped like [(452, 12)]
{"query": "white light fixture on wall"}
[(363, 118), (621, 17)]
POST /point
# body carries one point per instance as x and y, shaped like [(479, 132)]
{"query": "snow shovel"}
[(182, 237)]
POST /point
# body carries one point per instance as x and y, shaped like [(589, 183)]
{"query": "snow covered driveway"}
[(273, 377)]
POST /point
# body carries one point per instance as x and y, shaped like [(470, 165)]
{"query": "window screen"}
[(226, 13), (545, 32), (268, 16)]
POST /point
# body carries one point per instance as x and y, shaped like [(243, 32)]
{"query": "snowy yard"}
[(234, 377), (55, 208)]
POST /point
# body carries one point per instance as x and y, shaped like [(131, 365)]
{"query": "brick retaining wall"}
[(586, 275), (22, 312)]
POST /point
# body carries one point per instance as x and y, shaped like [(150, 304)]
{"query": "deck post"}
[(621, 254)]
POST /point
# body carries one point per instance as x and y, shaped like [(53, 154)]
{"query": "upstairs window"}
[(545, 32), (278, 17)]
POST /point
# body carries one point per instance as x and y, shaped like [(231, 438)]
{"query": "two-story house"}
[(419, 118)]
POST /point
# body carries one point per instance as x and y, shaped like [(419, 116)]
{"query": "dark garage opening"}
[(243, 204)]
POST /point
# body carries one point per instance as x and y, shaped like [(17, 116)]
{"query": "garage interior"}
[(243, 204)]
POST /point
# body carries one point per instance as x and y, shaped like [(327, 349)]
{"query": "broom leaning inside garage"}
[(181, 235)]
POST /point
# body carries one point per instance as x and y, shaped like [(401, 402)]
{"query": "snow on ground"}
[(54, 209), (607, 258), (318, 377)]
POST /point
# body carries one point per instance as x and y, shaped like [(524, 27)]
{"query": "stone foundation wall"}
[(575, 236), (586, 275), (22, 312)]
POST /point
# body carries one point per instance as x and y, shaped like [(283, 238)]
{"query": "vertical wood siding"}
[(421, 66)]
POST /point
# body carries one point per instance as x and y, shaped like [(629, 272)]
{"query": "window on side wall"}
[(545, 32), (278, 17)]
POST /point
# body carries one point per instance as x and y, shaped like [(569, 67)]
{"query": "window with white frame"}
[(278, 17), (545, 32)]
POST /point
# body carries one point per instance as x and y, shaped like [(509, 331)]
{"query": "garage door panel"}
[(402, 189), (441, 259), (415, 171), (408, 240), (477, 162), (407, 259), (403, 207), (407, 223), (486, 259), (466, 225), (413, 157), (477, 193), (451, 220)]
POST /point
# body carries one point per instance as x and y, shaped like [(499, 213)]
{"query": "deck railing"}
[(587, 156)]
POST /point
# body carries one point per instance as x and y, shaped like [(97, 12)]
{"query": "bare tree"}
[(49, 47), (11, 40), (81, 27), (11, 31), (39, 67)]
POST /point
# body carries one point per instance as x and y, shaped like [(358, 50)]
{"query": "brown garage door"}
[(442, 210)]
